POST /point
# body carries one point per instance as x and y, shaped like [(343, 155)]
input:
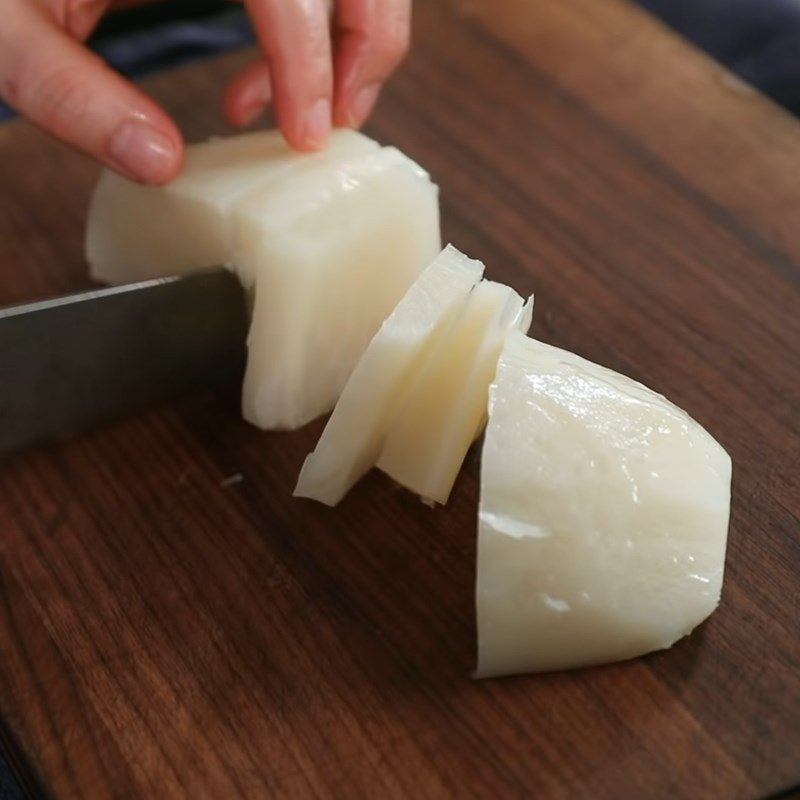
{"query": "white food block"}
[(352, 439), (603, 516), (445, 407), (331, 253), (136, 232)]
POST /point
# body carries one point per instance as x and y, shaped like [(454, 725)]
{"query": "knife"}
[(73, 362)]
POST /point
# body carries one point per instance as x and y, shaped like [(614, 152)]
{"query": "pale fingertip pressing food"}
[(603, 516), (357, 429)]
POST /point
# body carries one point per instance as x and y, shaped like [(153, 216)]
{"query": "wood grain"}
[(164, 634)]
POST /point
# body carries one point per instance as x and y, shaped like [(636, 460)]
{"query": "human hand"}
[(316, 74), (322, 63)]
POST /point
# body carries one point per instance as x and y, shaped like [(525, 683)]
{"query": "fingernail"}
[(142, 151), (318, 123), (363, 102)]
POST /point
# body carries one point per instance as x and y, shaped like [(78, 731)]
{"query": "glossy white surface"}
[(444, 409), (354, 435), (333, 240), (603, 516), (331, 253)]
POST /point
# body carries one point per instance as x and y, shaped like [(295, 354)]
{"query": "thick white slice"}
[(352, 439), (603, 516), (445, 408), (331, 254), (136, 232)]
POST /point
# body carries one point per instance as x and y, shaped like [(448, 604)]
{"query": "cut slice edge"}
[(444, 410), (354, 434)]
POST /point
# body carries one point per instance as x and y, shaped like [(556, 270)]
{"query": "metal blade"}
[(71, 363)]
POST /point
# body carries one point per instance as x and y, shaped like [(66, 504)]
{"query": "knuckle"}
[(53, 96)]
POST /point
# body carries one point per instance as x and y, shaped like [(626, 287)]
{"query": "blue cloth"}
[(759, 40), (9, 790), (168, 45)]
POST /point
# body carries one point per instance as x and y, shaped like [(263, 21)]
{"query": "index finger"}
[(294, 37)]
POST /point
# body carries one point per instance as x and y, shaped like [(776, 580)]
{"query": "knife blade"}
[(73, 362)]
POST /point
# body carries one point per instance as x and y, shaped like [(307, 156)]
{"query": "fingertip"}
[(145, 152), (317, 124), (354, 112), (308, 130), (295, 41)]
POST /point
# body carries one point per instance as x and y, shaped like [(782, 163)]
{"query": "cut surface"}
[(353, 437), (331, 255), (603, 516), (445, 407)]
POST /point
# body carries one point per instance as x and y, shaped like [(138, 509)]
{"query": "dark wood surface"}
[(165, 634)]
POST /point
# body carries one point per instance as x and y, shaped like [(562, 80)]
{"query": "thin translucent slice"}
[(136, 232), (603, 516), (355, 432), (445, 408), (331, 255)]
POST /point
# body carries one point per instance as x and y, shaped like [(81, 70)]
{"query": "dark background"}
[(758, 39)]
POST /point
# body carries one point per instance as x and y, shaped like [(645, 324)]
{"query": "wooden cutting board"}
[(169, 632)]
